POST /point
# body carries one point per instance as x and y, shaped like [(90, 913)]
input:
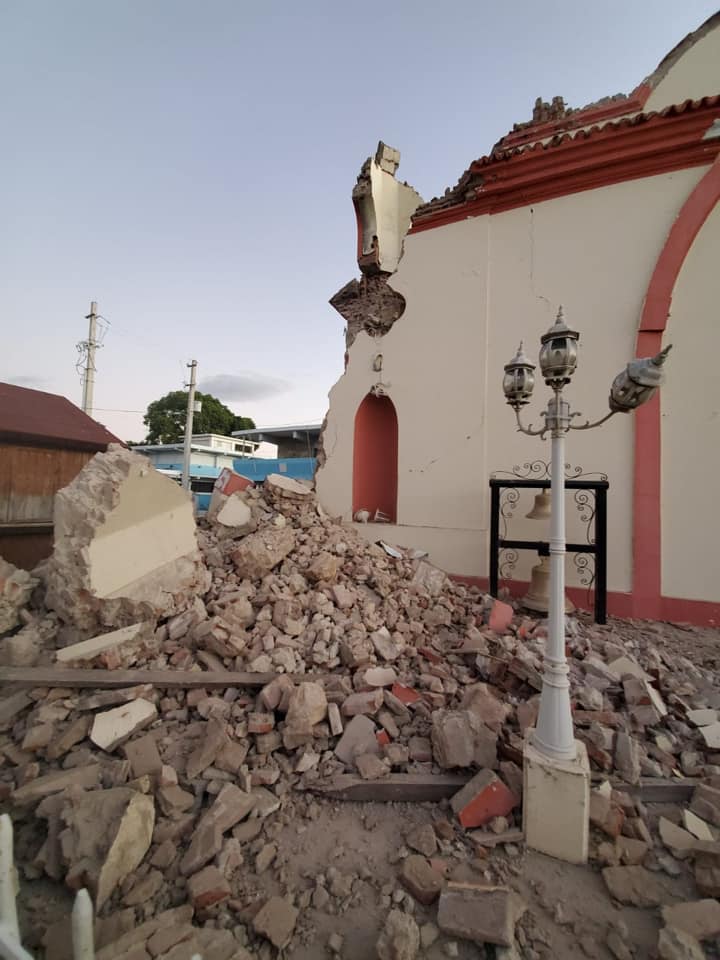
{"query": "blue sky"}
[(188, 164)]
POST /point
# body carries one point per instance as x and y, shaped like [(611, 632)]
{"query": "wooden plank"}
[(395, 788), (658, 790), (107, 679), (653, 789)]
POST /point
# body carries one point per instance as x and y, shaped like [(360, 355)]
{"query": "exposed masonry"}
[(368, 304)]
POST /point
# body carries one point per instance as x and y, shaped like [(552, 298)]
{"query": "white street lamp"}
[(553, 735)]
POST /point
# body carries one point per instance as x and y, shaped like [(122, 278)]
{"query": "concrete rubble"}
[(125, 545), (16, 587), (369, 667)]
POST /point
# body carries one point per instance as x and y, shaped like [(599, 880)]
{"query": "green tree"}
[(244, 423), (165, 418)]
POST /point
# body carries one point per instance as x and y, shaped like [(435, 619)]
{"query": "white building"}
[(209, 451), (610, 210)]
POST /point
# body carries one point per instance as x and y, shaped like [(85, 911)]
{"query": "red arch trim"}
[(647, 529)]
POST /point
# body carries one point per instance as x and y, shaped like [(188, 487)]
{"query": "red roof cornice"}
[(633, 147), (587, 116)]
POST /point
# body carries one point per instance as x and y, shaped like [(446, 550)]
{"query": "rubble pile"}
[(362, 661)]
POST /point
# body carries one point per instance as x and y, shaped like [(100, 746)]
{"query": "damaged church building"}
[(611, 211)]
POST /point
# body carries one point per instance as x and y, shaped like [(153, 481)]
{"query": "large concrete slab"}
[(125, 545)]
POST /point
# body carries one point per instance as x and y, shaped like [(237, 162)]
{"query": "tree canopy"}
[(165, 418)]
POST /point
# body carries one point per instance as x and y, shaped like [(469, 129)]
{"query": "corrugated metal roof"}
[(47, 419)]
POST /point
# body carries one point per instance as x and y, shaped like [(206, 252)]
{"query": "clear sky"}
[(188, 164)]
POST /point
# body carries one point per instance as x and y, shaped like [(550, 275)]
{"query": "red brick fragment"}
[(482, 799), (260, 722), (429, 654), (208, 887), (405, 695), (501, 616)]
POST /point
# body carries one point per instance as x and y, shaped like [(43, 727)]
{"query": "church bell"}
[(538, 596), (541, 508)]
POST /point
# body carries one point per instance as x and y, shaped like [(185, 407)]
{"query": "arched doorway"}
[(375, 457)]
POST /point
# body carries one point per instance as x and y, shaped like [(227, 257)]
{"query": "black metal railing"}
[(595, 548)]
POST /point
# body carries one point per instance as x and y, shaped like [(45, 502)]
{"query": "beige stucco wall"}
[(151, 525), (473, 289), (690, 404), (696, 74), (394, 203)]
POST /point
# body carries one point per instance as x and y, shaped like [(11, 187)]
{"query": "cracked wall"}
[(472, 290)]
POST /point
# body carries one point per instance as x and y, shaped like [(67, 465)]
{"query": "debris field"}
[(264, 736)]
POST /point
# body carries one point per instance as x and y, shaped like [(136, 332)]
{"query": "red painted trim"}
[(375, 457), (640, 147), (647, 518), (693, 215), (358, 224), (670, 609)]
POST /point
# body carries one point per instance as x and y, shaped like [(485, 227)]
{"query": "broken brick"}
[(482, 799), (362, 703), (484, 914), (276, 921), (260, 722), (207, 887), (501, 616), (143, 757), (405, 695), (420, 879)]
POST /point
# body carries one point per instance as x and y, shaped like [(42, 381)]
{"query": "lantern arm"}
[(590, 426), (529, 431)]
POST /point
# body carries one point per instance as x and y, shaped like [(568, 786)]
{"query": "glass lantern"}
[(558, 353), (637, 383), (519, 379)]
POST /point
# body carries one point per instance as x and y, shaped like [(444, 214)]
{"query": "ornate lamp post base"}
[(556, 803)]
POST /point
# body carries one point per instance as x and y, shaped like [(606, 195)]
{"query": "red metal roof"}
[(48, 420)]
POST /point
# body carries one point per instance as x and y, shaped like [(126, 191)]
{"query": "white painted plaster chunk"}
[(117, 644), (114, 727)]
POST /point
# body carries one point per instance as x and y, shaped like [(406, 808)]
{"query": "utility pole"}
[(88, 347), (189, 425)]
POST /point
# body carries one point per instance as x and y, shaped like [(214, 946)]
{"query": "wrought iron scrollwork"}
[(508, 561), (508, 503), (585, 566), (531, 470), (540, 470), (585, 501)]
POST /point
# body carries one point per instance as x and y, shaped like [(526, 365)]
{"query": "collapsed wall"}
[(383, 208), (125, 545)]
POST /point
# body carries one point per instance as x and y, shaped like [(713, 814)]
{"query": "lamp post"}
[(553, 735)]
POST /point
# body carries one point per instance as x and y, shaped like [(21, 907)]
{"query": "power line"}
[(116, 410)]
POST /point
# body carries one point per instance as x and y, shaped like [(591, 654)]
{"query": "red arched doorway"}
[(375, 457)]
